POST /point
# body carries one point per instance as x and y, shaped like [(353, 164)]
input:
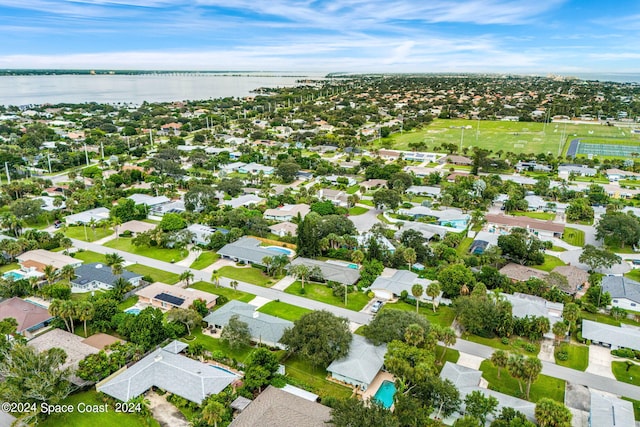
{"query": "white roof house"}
[(97, 215), (287, 212), (201, 233), (361, 365), (402, 280), (610, 411), (244, 200), (151, 201), (611, 336)]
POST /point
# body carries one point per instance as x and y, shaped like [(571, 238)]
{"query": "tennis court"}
[(611, 150)]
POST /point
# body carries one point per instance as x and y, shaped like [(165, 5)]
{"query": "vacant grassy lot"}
[(357, 210), (578, 356), (284, 310), (251, 275), (515, 345), (630, 375), (155, 274), (90, 256), (78, 232), (110, 418), (545, 216), (355, 300), (443, 316), (544, 387), (550, 262), (573, 236), (161, 254), (204, 260), (226, 292)]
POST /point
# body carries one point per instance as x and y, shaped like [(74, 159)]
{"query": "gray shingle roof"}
[(246, 249), (614, 335), (621, 287), (274, 407), (363, 362), (96, 271), (333, 272), (402, 280), (262, 326), (174, 373), (610, 411)]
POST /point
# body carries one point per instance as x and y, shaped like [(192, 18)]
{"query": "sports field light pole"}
[(461, 138)]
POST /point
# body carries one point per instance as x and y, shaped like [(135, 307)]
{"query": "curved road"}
[(551, 369)]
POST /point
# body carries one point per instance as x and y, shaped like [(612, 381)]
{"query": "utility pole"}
[(6, 168), (86, 154), (49, 161), (461, 138)]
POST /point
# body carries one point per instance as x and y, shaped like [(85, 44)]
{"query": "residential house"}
[(335, 179), (201, 233), (608, 410), (428, 231), (247, 250), (256, 168), (579, 170), (615, 175), (483, 241), (283, 229), (170, 129), (38, 259), (232, 167), (537, 203), (531, 166), (390, 287), (424, 190), (149, 201), (334, 271), (522, 273), (287, 212), (264, 328), (468, 380), (49, 203), (337, 197), (94, 276), (168, 370), (543, 229), (577, 278), (524, 305), (30, 316), (383, 242), (166, 297), (244, 200), (614, 337), (361, 365), (92, 215), (456, 160), (277, 407), (136, 227), (453, 218), (625, 293), (373, 183), (176, 206)]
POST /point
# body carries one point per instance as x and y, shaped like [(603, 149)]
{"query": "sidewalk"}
[(284, 283), (190, 258)]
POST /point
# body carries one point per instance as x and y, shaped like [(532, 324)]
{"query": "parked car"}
[(58, 224), (376, 306)]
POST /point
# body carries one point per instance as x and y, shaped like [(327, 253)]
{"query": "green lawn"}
[(634, 274), (204, 260), (366, 202), (515, 345), (90, 256), (353, 189), (355, 300), (226, 292), (558, 249), (636, 407), (451, 355), (443, 316), (156, 275), (129, 302), (87, 419), (550, 262), (631, 376), (578, 356), (251, 275), (463, 247), (284, 310), (9, 267), (357, 210), (573, 236), (213, 344), (315, 378), (546, 216), (162, 254), (78, 232), (545, 386)]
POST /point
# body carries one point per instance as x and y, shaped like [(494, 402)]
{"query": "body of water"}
[(135, 89)]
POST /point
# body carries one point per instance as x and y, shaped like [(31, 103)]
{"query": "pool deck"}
[(376, 383)]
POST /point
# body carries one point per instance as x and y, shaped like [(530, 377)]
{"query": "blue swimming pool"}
[(134, 311), (219, 368), (13, 274), (354, 266), (287, 252), (385, 393)]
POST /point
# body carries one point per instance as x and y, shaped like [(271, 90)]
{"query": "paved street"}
[(551, 369)]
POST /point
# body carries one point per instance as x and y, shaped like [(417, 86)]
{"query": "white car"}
[(376, 306)]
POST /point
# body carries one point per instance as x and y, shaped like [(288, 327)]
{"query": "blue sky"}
[(515, 36)]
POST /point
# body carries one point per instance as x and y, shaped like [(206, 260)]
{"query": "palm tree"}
[(66, 243), (56, 309), (186, 277), (416, 291), (570, 313), (68, 309), (234, 284), (559, 330), (212, 412), (531, 368), (50, 274), (215, 278), (67, 273), (357, 256), (116, 222), (448, 338), (500, 358), (515, 366), (433, 291), (114, 261), (92, 224), (85, 312), (410, 256)]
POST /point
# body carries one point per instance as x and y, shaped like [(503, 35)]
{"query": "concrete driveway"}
[(600, 361), (165, 413), (365, 221)]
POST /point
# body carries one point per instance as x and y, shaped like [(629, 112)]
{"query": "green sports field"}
[(517, 137)]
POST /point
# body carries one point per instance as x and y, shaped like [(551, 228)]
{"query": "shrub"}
[(562, 355), (529, 347), (590, 308), (505, 340), (221, 300), (624, 352)]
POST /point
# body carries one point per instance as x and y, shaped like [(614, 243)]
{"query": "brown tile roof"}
[(524, 222), (522, 273), (274, 407), (574, 275), (35, 264), (26, 314)]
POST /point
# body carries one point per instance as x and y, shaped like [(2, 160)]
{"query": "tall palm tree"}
[(116, 222), (433, 291), (410, 256), (500, 359), (67, 273), (186, 277), (50, 274), (85, 312), (448, 338), (56, 309), (416, 291), (215, 278), (114, 261), (212, 412)]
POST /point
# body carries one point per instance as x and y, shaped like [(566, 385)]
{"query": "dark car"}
[(58, 224)]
